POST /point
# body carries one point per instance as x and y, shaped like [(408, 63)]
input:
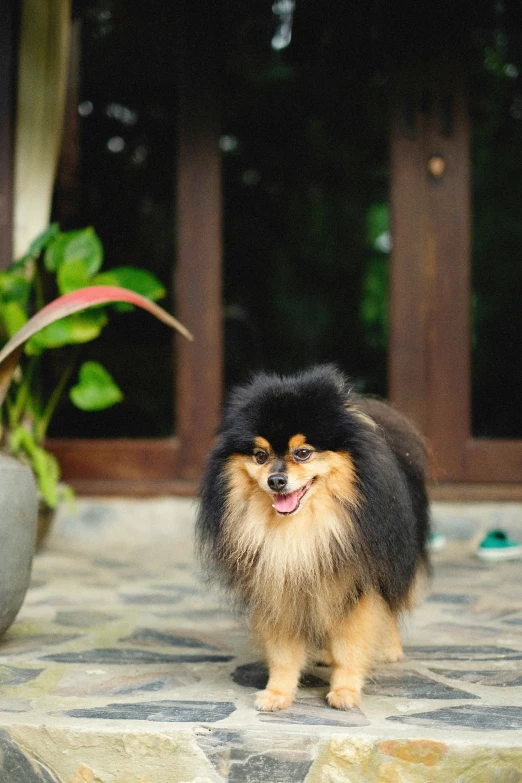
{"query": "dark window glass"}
[(496, 155), (305, 151)]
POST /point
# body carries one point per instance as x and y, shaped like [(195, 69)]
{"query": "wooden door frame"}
[(430, 288)]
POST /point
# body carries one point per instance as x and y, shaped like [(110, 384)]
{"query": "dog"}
[(314, 514)]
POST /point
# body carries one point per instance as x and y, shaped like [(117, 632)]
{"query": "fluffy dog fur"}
[(314, 513)]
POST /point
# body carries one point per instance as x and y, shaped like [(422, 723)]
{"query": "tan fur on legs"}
[(353, 648), (391, 650), (286, 658), (324, 658)]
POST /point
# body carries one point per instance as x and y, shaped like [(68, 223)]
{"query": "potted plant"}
[(57, 263), (24, 414)]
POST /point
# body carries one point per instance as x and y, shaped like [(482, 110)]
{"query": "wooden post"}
[(408, 358), (8, 26), (430, 274), (199, 242)]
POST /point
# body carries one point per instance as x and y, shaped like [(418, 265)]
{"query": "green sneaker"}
[(497, 546), (436, 542)]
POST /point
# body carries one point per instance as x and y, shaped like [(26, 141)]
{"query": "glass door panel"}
[(306, 234), (496, 166)]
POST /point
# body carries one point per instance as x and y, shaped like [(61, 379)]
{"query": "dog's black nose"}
[(277, 482)]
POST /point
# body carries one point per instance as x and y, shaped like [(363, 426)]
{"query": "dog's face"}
[(290, 478), (291, 440), (287, 477)]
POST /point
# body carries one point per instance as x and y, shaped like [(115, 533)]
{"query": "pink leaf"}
[(68, 304)]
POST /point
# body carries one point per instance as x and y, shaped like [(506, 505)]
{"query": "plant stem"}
[(45, 418), (38, 288), (24, 392), (10, 408)]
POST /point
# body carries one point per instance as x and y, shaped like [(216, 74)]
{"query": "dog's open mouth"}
[(287, 504)]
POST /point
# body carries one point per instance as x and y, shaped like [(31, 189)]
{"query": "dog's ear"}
[(330, 373), (340, 380)]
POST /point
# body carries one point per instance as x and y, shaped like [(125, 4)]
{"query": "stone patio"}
[(123, 667)]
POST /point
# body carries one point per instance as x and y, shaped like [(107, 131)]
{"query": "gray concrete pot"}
[(18, 514)]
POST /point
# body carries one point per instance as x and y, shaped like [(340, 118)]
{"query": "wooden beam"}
[(8, 47), (494, 460), (135, 487), (456, 492), (199, 365), (117, 459)]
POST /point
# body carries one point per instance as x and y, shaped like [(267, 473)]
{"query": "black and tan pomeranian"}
[(314, 513)]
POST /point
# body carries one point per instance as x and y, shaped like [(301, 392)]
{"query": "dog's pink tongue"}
[(286, 503)]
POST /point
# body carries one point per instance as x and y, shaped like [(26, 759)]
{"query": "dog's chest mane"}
[(303, 547)]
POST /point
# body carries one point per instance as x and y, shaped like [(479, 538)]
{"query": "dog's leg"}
[(324, 658), (392, 647), (286, 657), (353, 648)]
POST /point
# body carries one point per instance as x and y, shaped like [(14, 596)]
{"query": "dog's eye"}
[(261, 457), (302, 454)]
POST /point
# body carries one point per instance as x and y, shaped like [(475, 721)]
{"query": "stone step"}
[(124, 666)]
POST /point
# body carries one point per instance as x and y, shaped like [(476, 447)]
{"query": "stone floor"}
[(122, 667)]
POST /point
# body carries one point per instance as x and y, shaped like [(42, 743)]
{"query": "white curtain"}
[(42, 76)]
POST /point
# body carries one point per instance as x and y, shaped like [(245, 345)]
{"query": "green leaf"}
[(14, 288), (139, 280), (66, 305), (71, 330), (13, 317), (83, 245), (377, 225), (96, 389), (373, 306), (72, 274), (47, 471), (37, 245), (42, 240), (21, 442), (44, 465), (54, 253)]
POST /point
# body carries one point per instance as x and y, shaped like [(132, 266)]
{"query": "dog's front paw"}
[(272, 701), (343, 698)]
